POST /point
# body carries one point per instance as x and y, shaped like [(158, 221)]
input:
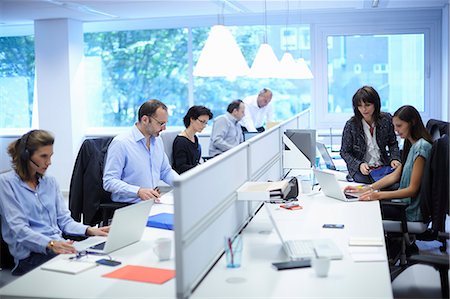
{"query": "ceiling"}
[(17, 12)]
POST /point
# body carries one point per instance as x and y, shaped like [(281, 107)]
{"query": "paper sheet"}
[(142, 274), (68, 266)]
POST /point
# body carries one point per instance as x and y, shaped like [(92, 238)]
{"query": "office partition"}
[(206, 206)]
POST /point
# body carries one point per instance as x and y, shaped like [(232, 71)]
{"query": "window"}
[(392, 64), (125, 68), (289, 96), (16, 81)]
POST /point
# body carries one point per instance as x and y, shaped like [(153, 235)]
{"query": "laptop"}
[(248, 135), (329, 163), (331, 187), (127, 226), (306, 249)]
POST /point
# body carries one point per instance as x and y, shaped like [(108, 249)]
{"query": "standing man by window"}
[(258, 111), (226, 132), (136, 160)]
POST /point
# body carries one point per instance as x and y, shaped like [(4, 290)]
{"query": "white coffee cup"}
[(163, 248), (321, 266), (306, 186)]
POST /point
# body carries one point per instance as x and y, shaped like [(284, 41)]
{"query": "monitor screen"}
[(305, 141)]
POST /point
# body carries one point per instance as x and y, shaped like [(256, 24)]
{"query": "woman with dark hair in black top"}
[(186, 149), (366, 136)]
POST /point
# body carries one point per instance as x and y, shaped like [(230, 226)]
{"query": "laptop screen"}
[(326, 156)]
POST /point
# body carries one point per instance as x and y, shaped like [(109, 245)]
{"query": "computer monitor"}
[(305, 141), (248, 135)]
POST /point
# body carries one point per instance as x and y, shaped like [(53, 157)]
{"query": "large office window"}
[(125, 68), (290, 96), (393, 64), (16, 81)]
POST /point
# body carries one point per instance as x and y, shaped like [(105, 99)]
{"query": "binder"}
[(263, 191), (162, 220)]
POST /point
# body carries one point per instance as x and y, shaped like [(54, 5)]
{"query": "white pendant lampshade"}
[(266, 64), (305, 71), (221, 56)]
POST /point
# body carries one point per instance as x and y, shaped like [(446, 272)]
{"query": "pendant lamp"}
[(221, 56), (266, 64)]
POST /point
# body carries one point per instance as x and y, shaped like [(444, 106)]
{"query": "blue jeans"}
[(31, 262), (360, 178)]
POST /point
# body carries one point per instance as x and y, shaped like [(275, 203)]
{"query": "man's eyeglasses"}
[(161, 123), (203, 122)]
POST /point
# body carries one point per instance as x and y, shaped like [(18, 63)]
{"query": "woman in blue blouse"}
[(416, 150), (33, 212), (186, 150)]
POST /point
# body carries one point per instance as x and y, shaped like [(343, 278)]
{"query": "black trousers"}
[(31, 262)]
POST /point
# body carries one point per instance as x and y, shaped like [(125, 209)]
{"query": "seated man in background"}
[(226, 132), (136, 160), (258, 111)]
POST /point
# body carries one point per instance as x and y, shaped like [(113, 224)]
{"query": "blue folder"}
[(380, 172), (163, 220)]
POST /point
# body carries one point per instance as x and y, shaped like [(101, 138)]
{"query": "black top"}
[(185, 153), (354, 146)]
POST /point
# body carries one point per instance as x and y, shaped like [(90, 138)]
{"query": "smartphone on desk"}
[(292, 264), (333, 225), (107, 262)]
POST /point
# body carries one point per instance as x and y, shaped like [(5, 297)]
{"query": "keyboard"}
[(301, 248)]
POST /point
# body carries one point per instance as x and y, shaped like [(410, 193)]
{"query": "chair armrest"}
[(74, 237), (401, 206), (438, 261)]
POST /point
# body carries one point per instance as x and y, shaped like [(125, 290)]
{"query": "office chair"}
[(168, 137), (6, 259), (87, 197), (434, 206)]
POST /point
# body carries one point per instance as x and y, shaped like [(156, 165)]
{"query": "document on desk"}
[(142, 274), (167, 198), (367, 254), (69, 266)]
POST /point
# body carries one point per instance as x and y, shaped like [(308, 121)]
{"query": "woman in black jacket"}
[(368, 139)]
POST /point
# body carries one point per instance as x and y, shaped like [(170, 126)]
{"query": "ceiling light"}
[(221, 56), (266, 64), (304, 70)]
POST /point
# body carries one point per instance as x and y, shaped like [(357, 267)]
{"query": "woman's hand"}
[(356, 189), (370, 195), (97, 231), (364, 168), (62, 247), (395, 164)]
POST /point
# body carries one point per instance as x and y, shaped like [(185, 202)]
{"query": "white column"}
[(59, 55)]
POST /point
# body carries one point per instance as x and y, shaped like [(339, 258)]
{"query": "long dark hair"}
[(366, 94), (417, 130), (23, 148)]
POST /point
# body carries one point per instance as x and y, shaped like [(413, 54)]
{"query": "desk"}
[(90, 284), (347, 279)]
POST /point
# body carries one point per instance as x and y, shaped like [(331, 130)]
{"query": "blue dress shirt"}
[(130, 165), (32, 218), (226, 134)]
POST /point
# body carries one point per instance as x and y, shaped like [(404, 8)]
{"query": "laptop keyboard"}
[(349, 196), (301, 248), (99, 246)]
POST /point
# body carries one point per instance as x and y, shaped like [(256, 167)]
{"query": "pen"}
[(231, 250)]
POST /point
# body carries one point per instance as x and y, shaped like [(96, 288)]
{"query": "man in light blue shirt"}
[(226, 132), (136, 160)]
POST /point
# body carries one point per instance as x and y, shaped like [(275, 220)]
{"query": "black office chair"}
[(87, 198), (6, 259), (434, 206)]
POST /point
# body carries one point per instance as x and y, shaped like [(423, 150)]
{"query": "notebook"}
[(331, 187), (327, 157), (127, 227), (306, 249)]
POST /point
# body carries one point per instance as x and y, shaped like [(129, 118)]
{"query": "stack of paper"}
[(365, 249), (263, 191), (69, 266)]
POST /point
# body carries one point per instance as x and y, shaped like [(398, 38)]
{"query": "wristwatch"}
[(51, 244)]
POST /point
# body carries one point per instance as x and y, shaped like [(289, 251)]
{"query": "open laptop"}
[(306, 249), (331, 187), (329, 163), (127, 227)]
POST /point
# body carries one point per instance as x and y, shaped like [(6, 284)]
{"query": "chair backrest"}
[(434, 192), (437, 128), (86, 186), (168, 137)]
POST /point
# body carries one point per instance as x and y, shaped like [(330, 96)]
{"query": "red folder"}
[(142, 274)]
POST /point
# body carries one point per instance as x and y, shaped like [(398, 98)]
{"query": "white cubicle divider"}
[(206, 206)]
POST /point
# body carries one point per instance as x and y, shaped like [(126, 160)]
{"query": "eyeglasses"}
[(203, 122), (161, 123)]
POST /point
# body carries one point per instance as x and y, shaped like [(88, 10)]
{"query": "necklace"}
[(191, 138)]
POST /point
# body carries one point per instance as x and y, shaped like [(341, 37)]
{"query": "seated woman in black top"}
[(186, 149)]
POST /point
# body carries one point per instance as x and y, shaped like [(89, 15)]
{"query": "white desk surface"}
[(347, 279), (90, 283)]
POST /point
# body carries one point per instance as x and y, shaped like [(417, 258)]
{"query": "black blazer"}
[(354, 146), (86, 186)]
